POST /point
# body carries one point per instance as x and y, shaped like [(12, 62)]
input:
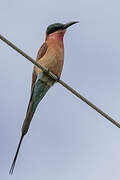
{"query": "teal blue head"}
[(58, 27)]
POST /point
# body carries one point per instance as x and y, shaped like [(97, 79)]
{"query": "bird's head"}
[(58, 30)]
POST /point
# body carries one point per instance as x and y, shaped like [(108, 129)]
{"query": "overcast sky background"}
[(67, 140)]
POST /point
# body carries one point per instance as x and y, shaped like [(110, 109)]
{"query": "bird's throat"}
[(56, 37)]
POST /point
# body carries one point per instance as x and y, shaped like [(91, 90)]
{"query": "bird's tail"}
[(13, 164), (25, 127), (38, 93)]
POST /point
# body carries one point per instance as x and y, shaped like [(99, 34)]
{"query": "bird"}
[(50, 56)]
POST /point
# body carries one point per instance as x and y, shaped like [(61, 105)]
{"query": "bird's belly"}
[(53, 61), (56, 64)]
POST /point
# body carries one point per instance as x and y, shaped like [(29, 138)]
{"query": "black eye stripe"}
[(54, 27)]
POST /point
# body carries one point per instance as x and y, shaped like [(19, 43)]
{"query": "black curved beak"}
[(65, 26)]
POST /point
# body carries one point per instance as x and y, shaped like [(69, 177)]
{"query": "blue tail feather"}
[(39, 91), (41, 86)]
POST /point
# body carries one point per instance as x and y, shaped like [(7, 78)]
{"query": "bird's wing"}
[(40, 54)]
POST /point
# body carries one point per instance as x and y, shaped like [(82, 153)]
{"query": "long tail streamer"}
[(15, 158)]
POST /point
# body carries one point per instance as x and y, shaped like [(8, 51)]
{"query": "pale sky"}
[(67, 140)]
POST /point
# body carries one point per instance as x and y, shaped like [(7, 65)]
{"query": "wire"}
[(53, 76)]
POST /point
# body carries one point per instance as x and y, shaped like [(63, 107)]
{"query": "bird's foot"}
[(46, 70), (53, 76), (58, 78)]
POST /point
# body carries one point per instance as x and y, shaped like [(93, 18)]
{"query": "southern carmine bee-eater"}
[(51, 56)]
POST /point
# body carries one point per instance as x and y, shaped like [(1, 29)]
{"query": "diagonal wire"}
[(53, 76)]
